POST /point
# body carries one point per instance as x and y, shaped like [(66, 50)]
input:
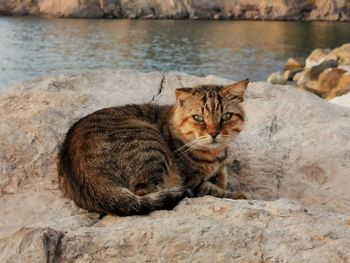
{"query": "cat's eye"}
[(227, 116), (198, 118)]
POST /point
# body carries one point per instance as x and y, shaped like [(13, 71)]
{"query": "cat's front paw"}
[(239, 195), (189, 193)]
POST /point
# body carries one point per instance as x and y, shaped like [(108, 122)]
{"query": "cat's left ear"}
[(182, 94), (236, 90)]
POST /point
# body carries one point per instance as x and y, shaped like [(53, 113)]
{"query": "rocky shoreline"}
[(292, 155), (325, 72), (310, 10)]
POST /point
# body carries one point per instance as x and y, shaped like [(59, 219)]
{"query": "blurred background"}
[(232, 39)]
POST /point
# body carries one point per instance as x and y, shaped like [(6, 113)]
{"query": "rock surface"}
[(293, 155), (330, 10), (342, 100)]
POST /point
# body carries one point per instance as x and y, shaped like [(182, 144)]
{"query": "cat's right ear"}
[(182, 94)]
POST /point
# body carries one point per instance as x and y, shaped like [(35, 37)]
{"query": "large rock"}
[(204, 9), (294, 146)]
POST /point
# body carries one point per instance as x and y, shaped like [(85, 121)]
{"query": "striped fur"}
[(135, 159)]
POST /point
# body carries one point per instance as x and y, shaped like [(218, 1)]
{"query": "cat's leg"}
[(144, 184), (220, 179), (208, 188), (194, 181), (218, 187)]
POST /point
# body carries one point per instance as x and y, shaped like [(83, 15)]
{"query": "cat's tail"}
[(126, 203)]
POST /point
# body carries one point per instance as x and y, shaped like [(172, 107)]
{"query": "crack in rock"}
[(179, 79), (160, 89)]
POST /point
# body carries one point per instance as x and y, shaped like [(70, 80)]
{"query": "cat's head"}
[(209, 116)]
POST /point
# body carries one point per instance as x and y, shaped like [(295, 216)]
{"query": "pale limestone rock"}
[(294, 145)]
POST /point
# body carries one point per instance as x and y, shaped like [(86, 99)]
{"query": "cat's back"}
[(110, 125), (116, 131), (116, 145)]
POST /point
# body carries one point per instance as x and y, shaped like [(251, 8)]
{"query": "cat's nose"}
[(214, 134)]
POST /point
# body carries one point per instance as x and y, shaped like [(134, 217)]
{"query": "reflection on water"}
[(33, 47)]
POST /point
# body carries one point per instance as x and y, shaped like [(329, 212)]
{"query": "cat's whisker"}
[(192, 143), (185, 146)]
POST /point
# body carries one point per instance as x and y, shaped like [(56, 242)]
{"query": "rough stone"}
[(293, 155)]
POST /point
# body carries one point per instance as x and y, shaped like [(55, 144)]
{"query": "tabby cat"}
[(134, 159)]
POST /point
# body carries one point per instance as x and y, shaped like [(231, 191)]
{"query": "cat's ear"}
[(236, 90), (182, 94)]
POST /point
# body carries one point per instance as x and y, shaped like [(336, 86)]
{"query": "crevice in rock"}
[(53, 256), (160, 88), (179, 79), (261, 241), (95, 222), (273, 127)]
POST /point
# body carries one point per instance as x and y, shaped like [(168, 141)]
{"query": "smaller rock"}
[(294, 64), (277, 78), (316, 57), (297, 76), (150, 16), (289, 74), (217, 16), (317, 70), (326, 85), (303, 77), (341, 54), (342, 88)]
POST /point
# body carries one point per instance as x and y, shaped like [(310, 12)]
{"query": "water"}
[(35, 47)]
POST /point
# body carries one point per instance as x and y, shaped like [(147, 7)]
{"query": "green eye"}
[(227, 116), (198, 118)]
